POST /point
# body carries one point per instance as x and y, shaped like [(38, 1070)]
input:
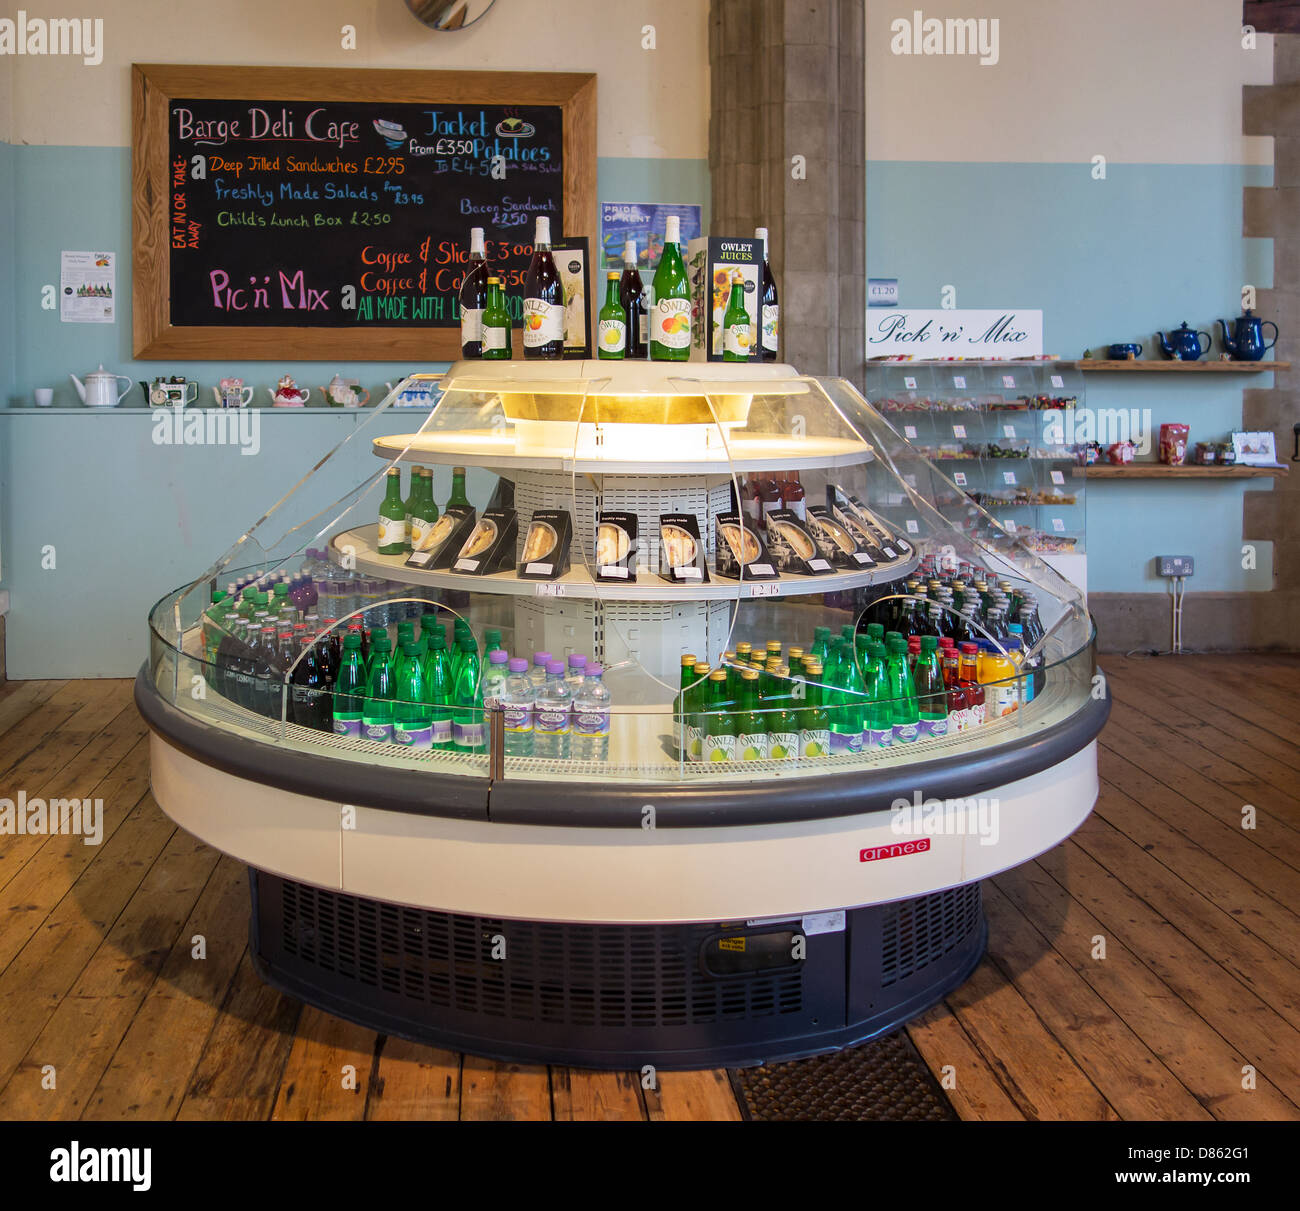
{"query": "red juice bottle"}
[(970, 683)]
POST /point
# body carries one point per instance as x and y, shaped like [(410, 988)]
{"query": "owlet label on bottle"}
[(752, 746), (543, 322), (494, 337), (736, 340), (771, 326), (694, 743), (671, 325), (815, 742), (392, 530), (471, 325), (783, 746), (934, 728), (420, 529), (720, 748), (611, 336)]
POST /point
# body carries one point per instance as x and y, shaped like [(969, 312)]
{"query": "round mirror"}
[(449, 14)]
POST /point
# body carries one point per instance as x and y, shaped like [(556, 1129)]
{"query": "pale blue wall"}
[(129, 520), (1105, 261)]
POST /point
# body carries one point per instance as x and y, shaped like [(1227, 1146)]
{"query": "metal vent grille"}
[(916, 933), (563, 974)]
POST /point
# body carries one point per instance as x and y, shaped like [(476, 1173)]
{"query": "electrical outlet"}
[(1174, 565)]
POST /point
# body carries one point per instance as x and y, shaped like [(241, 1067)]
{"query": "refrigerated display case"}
[(1006, 433), (683, 879)]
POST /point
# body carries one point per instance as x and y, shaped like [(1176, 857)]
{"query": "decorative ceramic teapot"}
[(344, 394), (1246, 344), (288, 394), (1184, 344)]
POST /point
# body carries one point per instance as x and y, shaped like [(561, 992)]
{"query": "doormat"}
[(882, 1081)]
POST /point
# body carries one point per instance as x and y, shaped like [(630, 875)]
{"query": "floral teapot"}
[(288, 394)]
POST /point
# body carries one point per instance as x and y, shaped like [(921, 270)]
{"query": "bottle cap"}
[(929, 643), (410, 649), (493, 280), (577, 661), (542, 233), (594, 670), (613, 275), (518, 665), (555, 668), (498, 657), (688, 660), (353, 640), (629, 251), (700, 668), (1015, 628), (673, 230), (466, 643), (969, 647), (749, 675), (542, 658)]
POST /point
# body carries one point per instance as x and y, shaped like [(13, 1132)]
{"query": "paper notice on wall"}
[(88, 287)]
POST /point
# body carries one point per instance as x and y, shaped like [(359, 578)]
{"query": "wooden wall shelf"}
[(1149, 366), (1191, 471)]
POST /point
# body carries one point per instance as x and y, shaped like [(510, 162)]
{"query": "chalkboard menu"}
[(327, 214)]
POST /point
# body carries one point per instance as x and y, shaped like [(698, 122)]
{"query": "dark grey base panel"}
[(613, 996)]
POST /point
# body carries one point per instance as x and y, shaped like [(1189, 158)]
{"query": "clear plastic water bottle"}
[(494, 678), (591, 705), (552, 715), (517, 695), (538, 672), (575, 672)]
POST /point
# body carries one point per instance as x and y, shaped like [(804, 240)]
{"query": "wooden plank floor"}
[(1147, 968)]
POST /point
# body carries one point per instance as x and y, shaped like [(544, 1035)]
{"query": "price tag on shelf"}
[(1057, 381), (959, 478), (1008, 430), (959, 430), (912, 527), (959, 381), (1008, 477), (1009, 380), (910, 480), (1058, 525), (1009, 526), (862, 559), (547, 589), (466, 565), (765, 590), (1058, 477), (909, 382), (909, 432), (819, 565)]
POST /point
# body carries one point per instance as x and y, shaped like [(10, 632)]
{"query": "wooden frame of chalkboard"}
[(163, 220)]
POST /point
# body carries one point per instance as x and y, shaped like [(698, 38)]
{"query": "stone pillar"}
[(787, 150)]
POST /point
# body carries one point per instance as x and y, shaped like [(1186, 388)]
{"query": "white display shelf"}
[(501, 448), (577, 582)]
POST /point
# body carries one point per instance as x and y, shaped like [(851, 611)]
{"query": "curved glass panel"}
[(771, 580)]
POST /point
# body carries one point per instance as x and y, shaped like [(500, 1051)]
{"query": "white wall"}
[(652, 104), (1141, 81)]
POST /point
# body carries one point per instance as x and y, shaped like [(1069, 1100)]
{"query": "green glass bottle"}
[(902, 693), (377, 710), (467, 729), (820, 649), (814, 722), (349, 688), (779, 715), (720, 720), (438, 688), (412, 713), (686, 680), (751, 729), (458, 496), (670, 317), (696, 703), (735, 327), (496, 323), (392, 517), (611, 324), (424, 509)]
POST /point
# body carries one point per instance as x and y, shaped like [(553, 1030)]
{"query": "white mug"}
[(44, 396)]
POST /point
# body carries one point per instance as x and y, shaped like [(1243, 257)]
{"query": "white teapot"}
[(100, 388)]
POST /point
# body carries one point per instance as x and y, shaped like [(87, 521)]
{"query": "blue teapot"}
[(1246, 344), (1184, 344)]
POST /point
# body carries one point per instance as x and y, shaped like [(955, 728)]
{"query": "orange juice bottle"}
[(997, 674)]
